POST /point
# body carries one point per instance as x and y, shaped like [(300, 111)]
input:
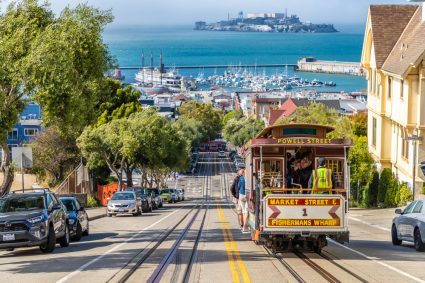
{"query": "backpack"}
[(234, 187)]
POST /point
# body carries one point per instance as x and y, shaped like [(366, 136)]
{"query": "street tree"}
[(361, 164), (210, 117), (53, 154), (191, 129), (57, 62), (118, 102), (319, 113), (239, 131)]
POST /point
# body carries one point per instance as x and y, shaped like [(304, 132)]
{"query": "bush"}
[(391, 198), (371, 191), (405, 195), (423, 189), (92, 202), (384, 183)]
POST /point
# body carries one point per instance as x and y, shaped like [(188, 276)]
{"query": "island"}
[(265, 22)]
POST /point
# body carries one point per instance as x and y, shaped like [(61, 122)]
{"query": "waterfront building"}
[(393, 57)]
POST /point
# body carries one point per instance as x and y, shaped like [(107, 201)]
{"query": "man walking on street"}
[(234, 190), (242, 201)]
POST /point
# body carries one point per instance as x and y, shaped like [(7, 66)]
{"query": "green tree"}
[(371, 196), (232, 115), (210, 117), (118, 102), (361, 163), (239, 131), (359, 124), (192, 130), (384, 184), (58, 62), (319, 113), (52, 162)]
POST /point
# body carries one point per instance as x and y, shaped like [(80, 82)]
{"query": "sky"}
[(186, 12)]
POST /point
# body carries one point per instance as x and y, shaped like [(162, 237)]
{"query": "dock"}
[(217, 66), (311, 64)]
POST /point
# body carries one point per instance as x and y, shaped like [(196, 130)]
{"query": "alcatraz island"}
[(265, 22)]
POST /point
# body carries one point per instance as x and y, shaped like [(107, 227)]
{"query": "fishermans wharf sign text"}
[(304, 141)]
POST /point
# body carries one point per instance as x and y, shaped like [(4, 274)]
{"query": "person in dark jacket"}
[(234, 190)]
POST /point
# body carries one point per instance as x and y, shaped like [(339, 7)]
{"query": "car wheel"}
[(78, 233), (137, 213), (419, 245), (87, 231), (150, 209), (49, 245), (64, 241), (394, 237)]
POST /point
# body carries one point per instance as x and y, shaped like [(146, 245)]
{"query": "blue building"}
[(27, 128)]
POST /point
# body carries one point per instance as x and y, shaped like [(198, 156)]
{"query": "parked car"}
[(156, 196), (124, 203), (169, 195), (146, 200), (35, 218), (180, 194), (221, 154), (409, 225), (77, 218)]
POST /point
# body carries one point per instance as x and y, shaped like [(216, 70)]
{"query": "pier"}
[(311, 64), (217, 66)]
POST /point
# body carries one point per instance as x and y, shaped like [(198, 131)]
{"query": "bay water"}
[(182, 45)]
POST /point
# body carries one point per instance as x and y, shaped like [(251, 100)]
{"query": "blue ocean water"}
[(184, 46)]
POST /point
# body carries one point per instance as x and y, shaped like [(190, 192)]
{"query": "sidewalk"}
[(96, 213)]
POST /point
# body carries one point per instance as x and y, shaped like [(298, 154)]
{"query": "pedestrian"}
[(234, 190), (322, 180), (243, 201)]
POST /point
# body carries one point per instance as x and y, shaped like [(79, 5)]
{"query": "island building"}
[(265, 15), (393, 57)]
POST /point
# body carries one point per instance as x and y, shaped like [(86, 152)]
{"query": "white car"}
[(409, 225)]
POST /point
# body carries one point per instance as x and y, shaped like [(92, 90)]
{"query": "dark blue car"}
[(78, 218)]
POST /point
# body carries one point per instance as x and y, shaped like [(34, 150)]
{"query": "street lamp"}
[(414, 138)]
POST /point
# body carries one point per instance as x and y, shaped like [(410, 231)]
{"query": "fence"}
[(104, 193), (78, 182)]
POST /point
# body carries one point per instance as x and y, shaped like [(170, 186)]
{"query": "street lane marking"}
[(81, 268), (232, 248), (379, 262), (370, 224)]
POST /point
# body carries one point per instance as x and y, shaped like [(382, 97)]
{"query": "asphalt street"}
[(198, 240)]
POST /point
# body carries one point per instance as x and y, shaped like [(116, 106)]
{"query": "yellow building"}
[(393, 57)]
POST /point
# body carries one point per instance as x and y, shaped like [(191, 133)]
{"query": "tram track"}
[(136, 262), (328, 275)]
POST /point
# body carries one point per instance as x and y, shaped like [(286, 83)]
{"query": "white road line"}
[(369, 224), (81, 268), (379, 262)]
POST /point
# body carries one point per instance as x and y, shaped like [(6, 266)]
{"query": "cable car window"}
[(300, 131)]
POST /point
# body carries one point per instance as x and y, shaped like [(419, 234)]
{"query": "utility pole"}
[(414, 138), (22, 168)]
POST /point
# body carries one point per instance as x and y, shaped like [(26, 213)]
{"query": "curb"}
[(97, 217)]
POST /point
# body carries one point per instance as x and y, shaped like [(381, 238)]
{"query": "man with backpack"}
[(234, 190)]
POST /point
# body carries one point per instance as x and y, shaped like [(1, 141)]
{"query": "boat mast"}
[(143, 67), (151, 67)]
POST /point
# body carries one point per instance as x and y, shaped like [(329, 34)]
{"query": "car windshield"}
[(23, 203), (165, 191), (69, 204), (123, 196)]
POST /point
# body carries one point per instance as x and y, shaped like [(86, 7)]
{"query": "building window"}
[(390, 87), (13, 135), (30, 132), (401, 89), (405, 147), (374, 122)]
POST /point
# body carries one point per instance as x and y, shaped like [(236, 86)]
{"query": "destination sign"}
[(304, 141), (304, 222), (304, 201), (304, 211)]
